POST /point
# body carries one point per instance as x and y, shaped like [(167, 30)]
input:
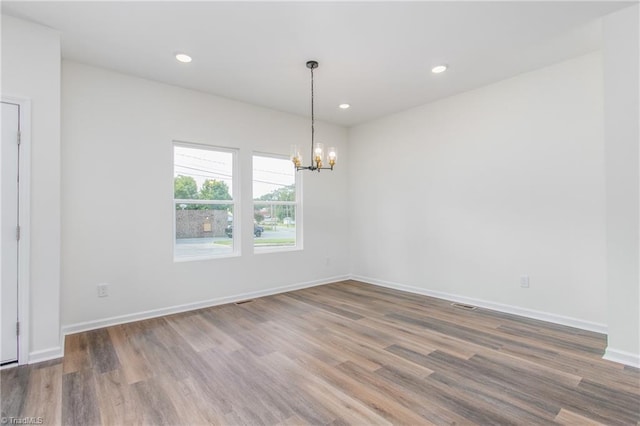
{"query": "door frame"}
[(24, 220)]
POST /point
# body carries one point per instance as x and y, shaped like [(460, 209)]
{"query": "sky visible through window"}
[(203, 164), (269, 173)]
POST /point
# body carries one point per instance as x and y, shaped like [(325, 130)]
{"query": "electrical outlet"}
[(524, 281), (103, 290)]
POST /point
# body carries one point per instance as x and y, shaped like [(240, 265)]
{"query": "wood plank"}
[(79, 402), (380, 358), (13, 389), (43, 399), (156, 406), (76, 354), (396, 391), (118, 404), (131, 357), (569, 418), (341, 405), (101, 350), (377, 400)]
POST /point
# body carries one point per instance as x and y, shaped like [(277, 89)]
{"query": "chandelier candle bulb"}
[(296, 155), (332, 156), (318, 154)]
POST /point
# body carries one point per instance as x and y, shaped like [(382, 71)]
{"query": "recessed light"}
[(182, 57), (438, 69), (344, 106)]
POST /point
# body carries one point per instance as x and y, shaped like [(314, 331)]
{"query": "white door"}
[(8, 230)]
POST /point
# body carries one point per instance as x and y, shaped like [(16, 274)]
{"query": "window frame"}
[(297, 204), (234, 202)]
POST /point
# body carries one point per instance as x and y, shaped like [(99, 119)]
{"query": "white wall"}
[(117, 182), (31, 69), (464, 195), (621, 75)]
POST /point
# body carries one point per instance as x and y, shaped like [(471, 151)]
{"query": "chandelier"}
[(317, 149)]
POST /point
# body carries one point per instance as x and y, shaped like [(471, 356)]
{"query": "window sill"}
[(200, 258), (265, 250)]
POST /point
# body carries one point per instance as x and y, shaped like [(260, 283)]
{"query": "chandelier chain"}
[(312, 117)]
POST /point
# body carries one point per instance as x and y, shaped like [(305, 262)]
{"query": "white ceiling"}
[(376, 56)]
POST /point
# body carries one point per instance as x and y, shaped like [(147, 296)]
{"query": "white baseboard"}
[(45, 355), (622, 357), (154, 313), (509, 309)]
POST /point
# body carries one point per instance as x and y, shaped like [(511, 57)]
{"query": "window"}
[(204, 201), (276, 204)]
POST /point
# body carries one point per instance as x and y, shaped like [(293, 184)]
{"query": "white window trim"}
[(235, 202), (298, 204)]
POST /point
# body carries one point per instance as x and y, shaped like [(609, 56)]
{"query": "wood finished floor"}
[(345, 353)]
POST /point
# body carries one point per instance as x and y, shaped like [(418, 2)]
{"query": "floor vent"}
[(242, 302), (465, 307)]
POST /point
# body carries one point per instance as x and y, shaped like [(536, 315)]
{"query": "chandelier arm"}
[(313, 168)]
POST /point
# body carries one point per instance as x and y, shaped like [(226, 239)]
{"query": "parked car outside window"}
[(257, 230)]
